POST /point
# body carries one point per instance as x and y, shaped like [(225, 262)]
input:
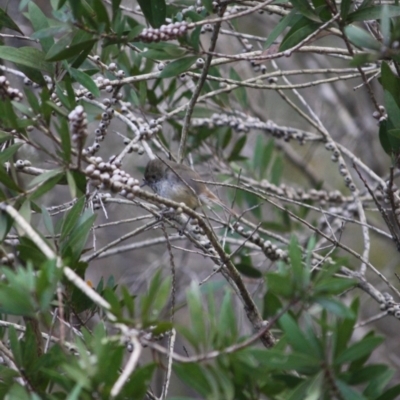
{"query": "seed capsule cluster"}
[(6, 91), (165, 32), (101, 131), (246, 123), (390, 194), (270, 250), (388, 304), (108, 175), (197, 8), (380, 115), (78, 122), (21, 164), (299, 194), (343, 170)]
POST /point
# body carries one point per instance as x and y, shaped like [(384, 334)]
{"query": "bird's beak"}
[(144, 183)]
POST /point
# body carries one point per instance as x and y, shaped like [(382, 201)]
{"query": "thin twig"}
[(129, 367)]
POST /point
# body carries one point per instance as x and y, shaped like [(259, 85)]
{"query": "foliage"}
[(96, 84)]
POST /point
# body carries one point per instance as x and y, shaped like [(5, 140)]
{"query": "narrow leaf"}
[(361, 38), (7, 22), (85, 80), (27, 56), (55, 54), (155, 11), (177, 67), (39, 22), (375, 12), (359, 349)]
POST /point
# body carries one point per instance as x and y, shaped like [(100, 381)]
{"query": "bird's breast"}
[(177, 191)]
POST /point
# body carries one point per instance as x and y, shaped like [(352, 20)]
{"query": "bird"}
[(180, 183)]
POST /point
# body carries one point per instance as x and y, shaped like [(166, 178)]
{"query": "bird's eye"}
[(153, 177)]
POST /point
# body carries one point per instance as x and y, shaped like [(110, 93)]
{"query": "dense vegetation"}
[(289, 109)]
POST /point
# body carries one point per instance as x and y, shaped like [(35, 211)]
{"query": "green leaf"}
[(208, 5), (272, 305), (160, 298), (300, 272), (47, 221), (288, 20), (295, 336), (177, 67), (155, 298), (6, 222), (371, 13), (15, 345), (40, 22), (263, 156), (333, 286), (62, 51), (77, 183), (305, 8), (280, 285), (194, 38), (44, 177), (394, 132), (384, 138), (347, 392), (161, 54), (344, 329), (364, 58), (79, 235), (85, 80), (334, 306), (46, 185), (393, 111), (227, 318), (248, 270), (71, 218), (16, 301), (7, 181), (51, 31), (115, 7), (28, 251), (154, 11), (7, 22), (194, 376), (4, 136), (139, 382), (361, 38), (143, 98), (240, 92), (378, 383), (390, 394), (366, 374), (310, 389), (197, 313), (101, 14), (18, 392), (300, 30), (275, 358), (237, 148), (345, 8), (26, 56), (358, 350), (390, 82), (75, 392), (277, 170), (385, 25), (6, 154), (128, 301)]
